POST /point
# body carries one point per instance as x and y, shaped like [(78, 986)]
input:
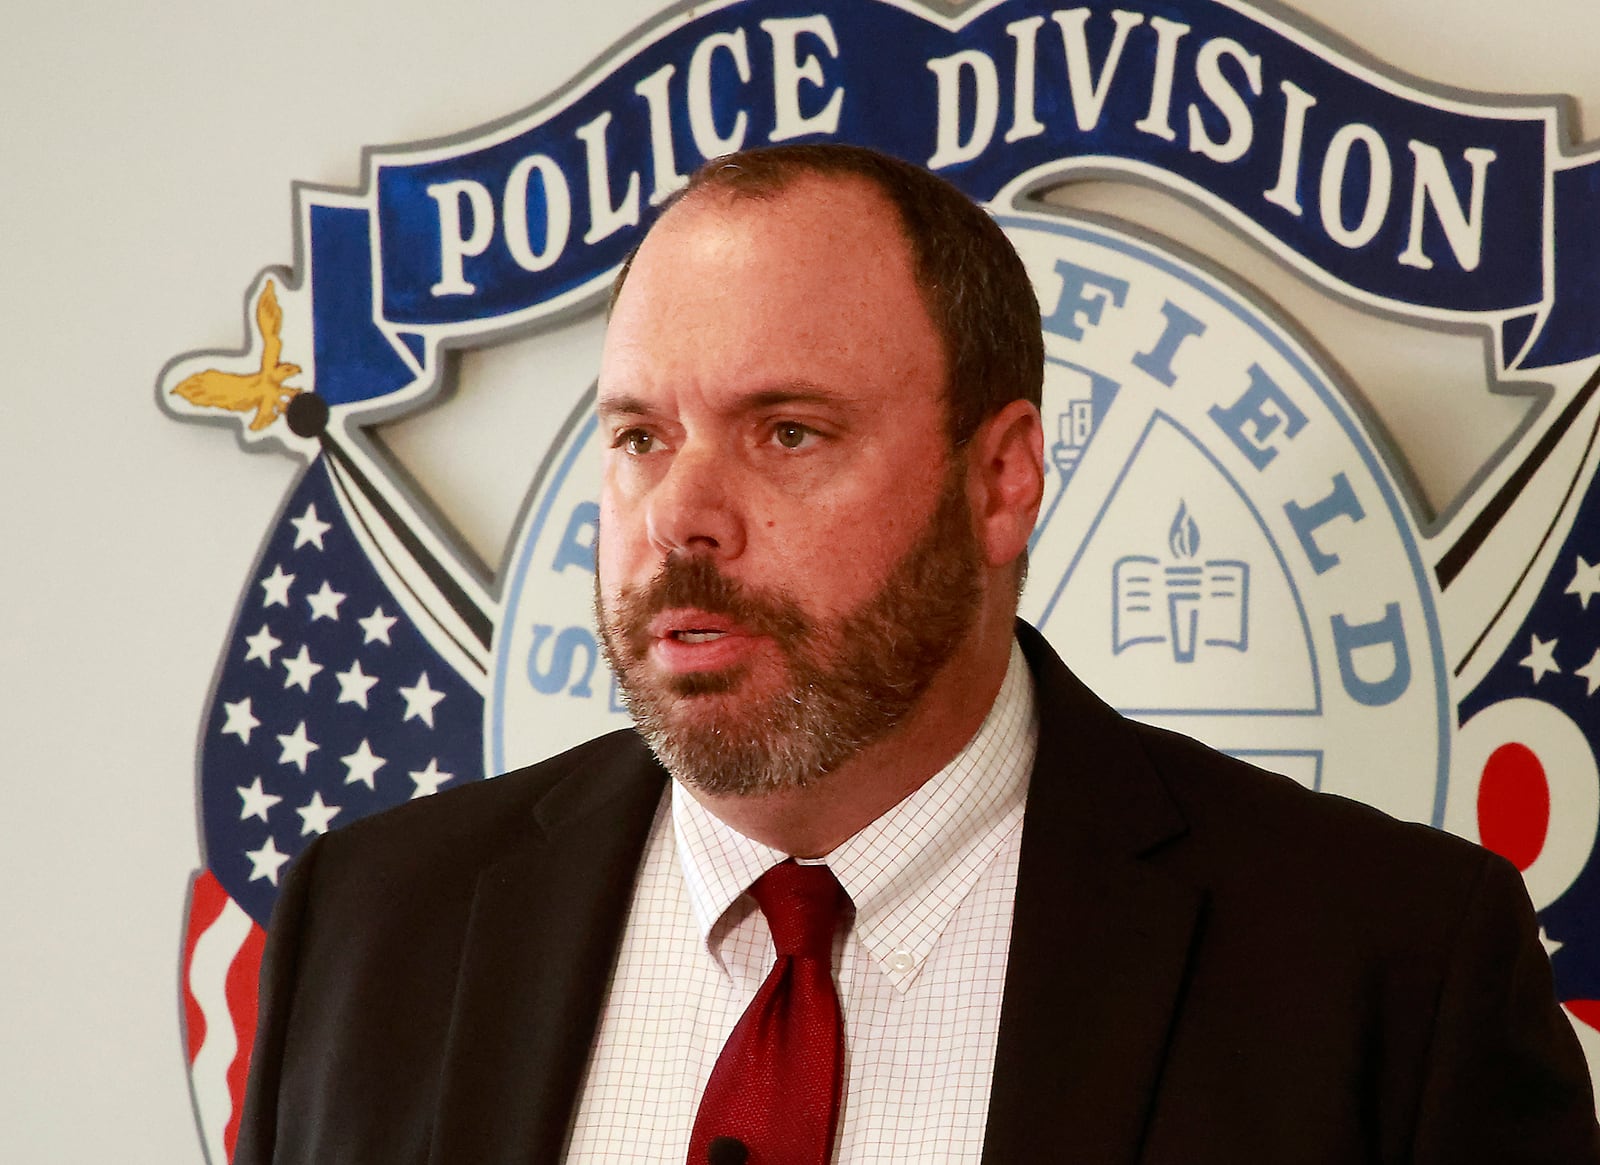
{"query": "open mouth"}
[(693, 639), (693, 635)]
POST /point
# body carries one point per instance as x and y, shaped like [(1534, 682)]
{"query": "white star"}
[(262, 644), (256, 801), (309, 528), (316, 815), (325, 603), (420, 701), (267, 861), (429, 779), (300, 670), (277, 586), (297, 747), (377, 625), (363, 764), (354, 684), (1541, 658), (1550, 945), (1585, 582), (1591, 672), (241, 721)]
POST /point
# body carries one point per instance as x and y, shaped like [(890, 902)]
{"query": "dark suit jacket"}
[(1208, 964)]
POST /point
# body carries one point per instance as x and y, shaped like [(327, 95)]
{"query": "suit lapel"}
[(1100, 943), (540, 944), (1100, 940)]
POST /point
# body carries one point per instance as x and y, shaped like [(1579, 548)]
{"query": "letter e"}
[(788, 70), (1252, 410)]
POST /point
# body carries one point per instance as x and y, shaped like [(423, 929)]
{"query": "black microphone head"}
[(727, 1151)]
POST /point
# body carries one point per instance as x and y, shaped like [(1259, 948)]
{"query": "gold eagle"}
[(263, 391)]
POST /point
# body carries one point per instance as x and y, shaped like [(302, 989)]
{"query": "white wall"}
[(146, 159)]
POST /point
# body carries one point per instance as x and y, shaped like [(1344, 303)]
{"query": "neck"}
[(815, 820)]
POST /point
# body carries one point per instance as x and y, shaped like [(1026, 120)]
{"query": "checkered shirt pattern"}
[(920, 969)]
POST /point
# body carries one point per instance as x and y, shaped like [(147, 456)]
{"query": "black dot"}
[(307, 415)]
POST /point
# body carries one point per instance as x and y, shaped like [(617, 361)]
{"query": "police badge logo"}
[(1228, 545)]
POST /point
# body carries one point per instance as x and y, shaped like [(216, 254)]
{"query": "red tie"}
[(773, 1097)]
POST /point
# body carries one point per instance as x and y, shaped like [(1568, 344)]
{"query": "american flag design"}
[(1522, 806), (329, 704)]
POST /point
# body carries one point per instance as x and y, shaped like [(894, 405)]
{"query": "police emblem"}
[(1228, 546)]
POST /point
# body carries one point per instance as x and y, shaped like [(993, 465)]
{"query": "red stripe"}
[(206, 900), (1587, 1010), (243, 982)]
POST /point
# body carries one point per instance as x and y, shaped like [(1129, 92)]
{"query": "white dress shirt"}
[(920, 968)]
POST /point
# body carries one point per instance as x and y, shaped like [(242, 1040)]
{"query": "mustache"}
[(695, 580)]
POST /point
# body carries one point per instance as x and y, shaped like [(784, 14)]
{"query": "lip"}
[(669, 623), (730, 644)]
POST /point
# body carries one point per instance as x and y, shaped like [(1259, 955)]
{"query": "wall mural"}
[(1228, 545)]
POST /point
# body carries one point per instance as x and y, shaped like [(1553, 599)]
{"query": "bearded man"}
[(876, 878)]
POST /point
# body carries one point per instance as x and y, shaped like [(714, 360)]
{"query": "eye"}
[(634, 442), (792, 434)]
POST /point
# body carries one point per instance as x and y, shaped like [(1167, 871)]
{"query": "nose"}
[(694, 506)]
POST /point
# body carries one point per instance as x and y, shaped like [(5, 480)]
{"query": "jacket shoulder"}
[(472, 826), (1252, 811)]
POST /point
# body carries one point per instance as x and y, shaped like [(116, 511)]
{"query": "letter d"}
[(1387, 631), (949, 148)]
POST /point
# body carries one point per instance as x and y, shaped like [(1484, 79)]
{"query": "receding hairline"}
[(774, 187)]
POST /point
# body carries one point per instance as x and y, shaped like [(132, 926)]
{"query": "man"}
[(1068, 938)]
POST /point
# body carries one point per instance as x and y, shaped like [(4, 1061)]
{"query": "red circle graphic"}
[(1514, 804)]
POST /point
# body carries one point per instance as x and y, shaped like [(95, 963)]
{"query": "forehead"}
[(813, 281)]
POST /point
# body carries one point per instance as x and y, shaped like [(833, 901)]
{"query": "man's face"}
[(787, 554)]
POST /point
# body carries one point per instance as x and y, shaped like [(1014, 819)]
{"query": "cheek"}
[(830, 567)]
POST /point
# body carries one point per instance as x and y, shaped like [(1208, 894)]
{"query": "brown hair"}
[(972, 281)]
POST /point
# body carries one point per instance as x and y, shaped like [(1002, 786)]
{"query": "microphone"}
[(727, 1151)]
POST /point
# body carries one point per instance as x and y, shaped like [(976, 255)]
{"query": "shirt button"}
[(902, 961)]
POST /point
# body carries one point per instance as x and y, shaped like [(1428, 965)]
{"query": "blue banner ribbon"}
[(1437, 205)]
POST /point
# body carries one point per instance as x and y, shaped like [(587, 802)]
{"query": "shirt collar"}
[(906, 872)]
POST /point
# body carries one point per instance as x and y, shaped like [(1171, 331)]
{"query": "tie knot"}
[(803, 905)]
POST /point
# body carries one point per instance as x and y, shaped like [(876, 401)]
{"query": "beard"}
[(849, 681)]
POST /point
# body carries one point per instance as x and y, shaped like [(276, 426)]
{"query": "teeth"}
[(696, 636)]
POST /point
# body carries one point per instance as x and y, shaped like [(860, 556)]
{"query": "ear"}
[(1005, 480)]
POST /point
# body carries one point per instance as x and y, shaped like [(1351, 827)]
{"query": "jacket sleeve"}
[(275, 1001), (1505, 1079)]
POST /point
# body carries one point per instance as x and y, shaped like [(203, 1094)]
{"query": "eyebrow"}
[(622, 405), (625, 404), (796, 392)]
